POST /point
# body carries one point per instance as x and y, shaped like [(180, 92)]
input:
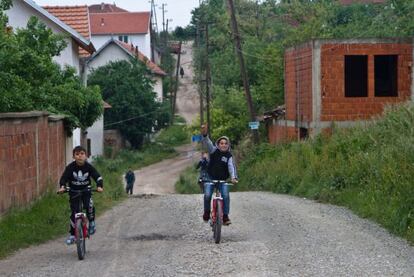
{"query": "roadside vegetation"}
[(369, 169), (47, 218)]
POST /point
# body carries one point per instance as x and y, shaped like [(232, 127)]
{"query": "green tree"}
[(126, 85), (30, 80)]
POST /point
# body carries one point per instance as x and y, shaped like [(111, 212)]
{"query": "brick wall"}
[(298, 83), (337, 107), (281, 134), (32, 154)]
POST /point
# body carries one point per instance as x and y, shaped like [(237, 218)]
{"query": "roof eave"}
[(84, 43)]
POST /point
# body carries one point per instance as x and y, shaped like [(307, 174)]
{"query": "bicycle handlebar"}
[(217, 181), (68, 189)]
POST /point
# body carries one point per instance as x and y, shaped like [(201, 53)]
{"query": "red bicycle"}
[(216, 218), (81, 222)]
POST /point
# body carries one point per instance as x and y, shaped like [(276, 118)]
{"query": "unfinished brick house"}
[(341, 82)]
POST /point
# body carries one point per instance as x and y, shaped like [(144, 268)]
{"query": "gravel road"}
[(271, 235)]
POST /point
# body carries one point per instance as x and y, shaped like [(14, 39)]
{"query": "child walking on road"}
[(130, 180)]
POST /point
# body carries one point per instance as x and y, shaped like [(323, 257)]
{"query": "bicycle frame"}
[(217, 203), (81, 226)]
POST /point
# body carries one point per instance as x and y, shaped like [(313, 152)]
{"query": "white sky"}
[(177, 10)]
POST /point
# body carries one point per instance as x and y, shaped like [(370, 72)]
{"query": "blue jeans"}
[(225, 193)]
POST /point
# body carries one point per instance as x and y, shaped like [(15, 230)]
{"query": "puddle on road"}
[(152, 237), (145, 196)]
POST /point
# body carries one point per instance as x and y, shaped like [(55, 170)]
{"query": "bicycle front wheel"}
[(80, 239), (219, 221)]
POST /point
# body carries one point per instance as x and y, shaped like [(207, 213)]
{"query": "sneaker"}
[(206, 216), (226, 220), (70, 240), (92, 228)]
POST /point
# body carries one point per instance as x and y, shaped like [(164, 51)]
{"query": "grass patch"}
[(368, 169), (187, 183), (47, 218)]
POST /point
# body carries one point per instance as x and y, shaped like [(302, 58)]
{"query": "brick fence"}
[(32, 155)]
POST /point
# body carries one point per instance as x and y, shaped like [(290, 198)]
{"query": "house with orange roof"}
[(128, 27), (20, 13), (115, 50), (77, 17)]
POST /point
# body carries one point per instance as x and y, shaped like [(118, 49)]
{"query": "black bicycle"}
[(81, 222)]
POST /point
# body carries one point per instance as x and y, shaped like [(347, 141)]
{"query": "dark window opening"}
[(123, 38), (386, 75), (356, 76), (303, 133)]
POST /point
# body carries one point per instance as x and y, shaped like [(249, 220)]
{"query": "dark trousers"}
[(87, 201), (129, 188)]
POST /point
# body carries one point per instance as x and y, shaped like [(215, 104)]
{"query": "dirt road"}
[(187, 96), (271, 235)]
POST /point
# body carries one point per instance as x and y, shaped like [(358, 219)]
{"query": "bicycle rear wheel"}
[(219, 221), (80, 239)]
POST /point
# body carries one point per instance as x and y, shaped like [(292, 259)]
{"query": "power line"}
[(135, 117)]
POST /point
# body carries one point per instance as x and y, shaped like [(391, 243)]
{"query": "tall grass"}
[(369, 169), (47, 218)]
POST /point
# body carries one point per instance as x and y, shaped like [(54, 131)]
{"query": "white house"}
[(115, 50), (128, 27), (20, 13)]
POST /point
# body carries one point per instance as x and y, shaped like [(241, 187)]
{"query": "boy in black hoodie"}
[(78, 175), (221, 166)]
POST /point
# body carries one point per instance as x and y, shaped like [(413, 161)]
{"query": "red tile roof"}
[(151, 65), (77, 17), (120, 23), (105, 8)]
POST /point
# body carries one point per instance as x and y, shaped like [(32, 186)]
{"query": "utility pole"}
[(200, 91), (243, 71), (176, 79), (208, 79), (163, 16), (152, 33)]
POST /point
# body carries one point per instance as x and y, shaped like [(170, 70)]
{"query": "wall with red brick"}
[(298, 83), (337, 107), (281, 134), (32, 155)]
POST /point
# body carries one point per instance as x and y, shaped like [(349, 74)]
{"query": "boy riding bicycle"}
[(221, 166), (78, 175)]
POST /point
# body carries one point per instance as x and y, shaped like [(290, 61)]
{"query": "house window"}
[(386, 75), (356, 76), (123, 38)]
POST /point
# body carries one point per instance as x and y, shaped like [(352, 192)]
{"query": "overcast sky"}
[(177, 10)]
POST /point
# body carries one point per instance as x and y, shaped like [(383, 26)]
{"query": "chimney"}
[(102, 6), (102, 22)]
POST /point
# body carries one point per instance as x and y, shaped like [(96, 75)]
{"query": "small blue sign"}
[(196, 138), (254, 125)]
